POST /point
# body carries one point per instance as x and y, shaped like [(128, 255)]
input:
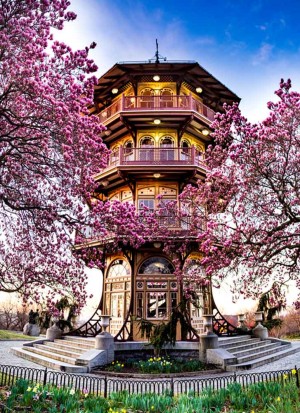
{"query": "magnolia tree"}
[(251, 196), (49, 150)]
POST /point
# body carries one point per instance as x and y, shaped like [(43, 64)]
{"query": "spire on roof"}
[(157, 57)]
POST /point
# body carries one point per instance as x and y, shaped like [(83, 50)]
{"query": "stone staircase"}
[(68, 354), (74, 355), (248, 352)]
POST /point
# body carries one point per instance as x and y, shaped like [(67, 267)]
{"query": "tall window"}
[(167, 151), (166, 98), (147, 148), (128, 151), (147, 98), (156, 289), (185, 152), (117, 293)]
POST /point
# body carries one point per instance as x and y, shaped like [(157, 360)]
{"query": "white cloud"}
[(263, 55)]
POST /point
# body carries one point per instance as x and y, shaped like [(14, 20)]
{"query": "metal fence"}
[(105, 385)]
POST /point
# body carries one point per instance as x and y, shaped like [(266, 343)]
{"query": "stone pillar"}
[(53, 332), (208, 340), (260, 331), (105, 341)]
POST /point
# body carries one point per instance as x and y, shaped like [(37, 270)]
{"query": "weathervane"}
[(157, 56)]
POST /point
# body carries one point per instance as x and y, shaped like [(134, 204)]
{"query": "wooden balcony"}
[(170, 227), (151, 156), (156, 103)]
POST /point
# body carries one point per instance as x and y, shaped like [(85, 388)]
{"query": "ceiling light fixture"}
[(156, 176), (114, 91), (205, 132), (156, 78), (199, 89), (156, 121)]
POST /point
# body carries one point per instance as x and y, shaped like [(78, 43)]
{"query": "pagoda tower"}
[(158, 117)]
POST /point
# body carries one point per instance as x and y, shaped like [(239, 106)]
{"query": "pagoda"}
[(157, 116)]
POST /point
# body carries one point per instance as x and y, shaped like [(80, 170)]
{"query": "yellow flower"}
[(278, 399), (285, 376), (152, 407), (72, 391), (29, 388), (294, 371)]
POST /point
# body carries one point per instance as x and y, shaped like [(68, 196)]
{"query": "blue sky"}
[(248, 45)]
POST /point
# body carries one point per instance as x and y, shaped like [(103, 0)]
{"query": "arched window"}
[(185, 152), (117, 293), (147, 98), (147, 148), (156, 288), (166, 98), (166, 153), (128, 151), (199, 155), (156, 265)]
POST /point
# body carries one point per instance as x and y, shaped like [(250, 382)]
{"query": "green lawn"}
[(12, 335)]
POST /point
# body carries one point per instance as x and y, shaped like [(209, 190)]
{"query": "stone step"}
[(260, 347), (262, 360), (260, 354), (51, 355), (223, 341), (74, 344), (53, 349), (82, 340), (67, 347), (48, 362), (247, 344)]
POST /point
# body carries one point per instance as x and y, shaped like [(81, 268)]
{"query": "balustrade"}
[(155, 103), (156, 156)]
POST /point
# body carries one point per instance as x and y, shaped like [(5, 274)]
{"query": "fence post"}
[(297, 377), (172, 387), (45, 377), (234, 377), (105, 387)]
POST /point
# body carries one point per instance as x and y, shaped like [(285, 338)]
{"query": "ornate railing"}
[(156, 103), (105, 385), (149, 156), (179, 226)]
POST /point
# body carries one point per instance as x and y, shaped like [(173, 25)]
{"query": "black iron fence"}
[(105, 385)]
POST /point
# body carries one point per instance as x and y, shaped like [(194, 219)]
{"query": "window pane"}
[(162, 304), (139, 304), (151, 305), (156, 265)]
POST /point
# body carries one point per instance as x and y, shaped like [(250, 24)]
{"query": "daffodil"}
[(294, 371), (278, 399)]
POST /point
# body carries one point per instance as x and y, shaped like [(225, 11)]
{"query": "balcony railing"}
[(156, 103), (178, 226), (156, 156)]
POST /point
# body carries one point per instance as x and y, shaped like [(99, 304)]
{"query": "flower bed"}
[(158, 366), (264, 397)]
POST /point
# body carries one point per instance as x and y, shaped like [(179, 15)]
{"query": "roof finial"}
[(157, 57), (157, 54)]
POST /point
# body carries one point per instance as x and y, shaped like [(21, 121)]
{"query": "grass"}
[(264, 397), (12, 335)]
